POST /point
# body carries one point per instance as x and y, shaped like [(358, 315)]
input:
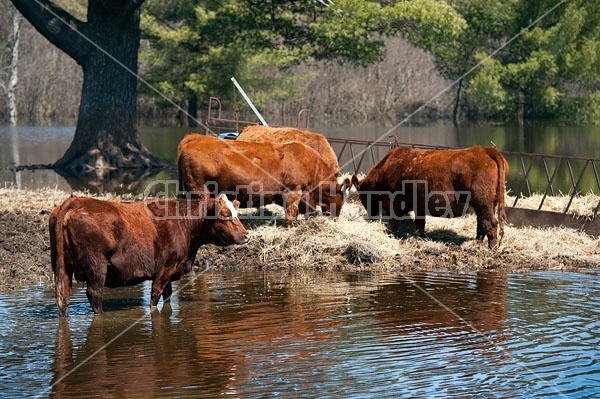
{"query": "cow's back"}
[(318, 142), (235, 164), (231, 164), (451, 169)]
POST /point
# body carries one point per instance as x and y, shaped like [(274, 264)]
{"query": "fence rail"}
[(529, 173), (215, 122)]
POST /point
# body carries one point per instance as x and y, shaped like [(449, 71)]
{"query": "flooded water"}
[(44, 145), (275, 334)]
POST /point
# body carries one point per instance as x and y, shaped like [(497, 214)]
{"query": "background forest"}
[(350, 62)]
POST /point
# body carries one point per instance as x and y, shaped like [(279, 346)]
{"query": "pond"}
[(44, 145), (331, 335), (296, 334)]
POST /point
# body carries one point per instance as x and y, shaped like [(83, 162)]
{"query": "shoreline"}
[(316, 244)]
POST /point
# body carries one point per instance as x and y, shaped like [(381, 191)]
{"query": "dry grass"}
[(316, 237), (44, 199), (319, 243), (360, 241)]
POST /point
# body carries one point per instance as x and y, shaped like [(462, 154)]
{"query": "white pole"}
[(237, 85)]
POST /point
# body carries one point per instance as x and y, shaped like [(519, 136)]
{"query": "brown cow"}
[(438, 183), (114, 244), (292, 175), (316, 141)]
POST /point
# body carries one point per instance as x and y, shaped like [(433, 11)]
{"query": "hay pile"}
[(316, 243), (322, 243)]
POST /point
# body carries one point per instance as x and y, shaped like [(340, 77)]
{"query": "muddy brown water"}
[(308, 335)]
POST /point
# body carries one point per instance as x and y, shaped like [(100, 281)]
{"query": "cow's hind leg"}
[(95, 285), (487, 225), (420, 222), (167, 291)]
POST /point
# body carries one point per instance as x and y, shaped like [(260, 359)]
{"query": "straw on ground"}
[(317, 242)]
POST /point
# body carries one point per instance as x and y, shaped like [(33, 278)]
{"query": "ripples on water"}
[(306, 335)]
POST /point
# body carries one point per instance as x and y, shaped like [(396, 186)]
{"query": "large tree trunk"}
[(106, 135), (106, 47)]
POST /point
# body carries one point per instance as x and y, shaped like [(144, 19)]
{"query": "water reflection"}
[(44, 145), (16, 159), (299, 334), (119, 358), (205, 348), (445, 335), (475, 303), (239, 334)]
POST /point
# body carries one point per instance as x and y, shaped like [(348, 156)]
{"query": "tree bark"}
[(193, 110), (10, 87), (106, 47), (520, 108), (455, 115), (14, 77)]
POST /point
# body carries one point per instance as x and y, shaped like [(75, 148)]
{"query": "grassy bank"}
[(318, 243)]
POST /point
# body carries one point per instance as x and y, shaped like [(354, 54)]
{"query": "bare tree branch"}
[(121, 9), (130, 6), (56, 25)]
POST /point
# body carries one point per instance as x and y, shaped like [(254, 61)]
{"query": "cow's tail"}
[(58, 256), (499, 200)]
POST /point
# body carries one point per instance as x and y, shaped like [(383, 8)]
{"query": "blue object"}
[(229, 135)]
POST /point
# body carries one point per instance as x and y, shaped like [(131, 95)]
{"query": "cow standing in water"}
[(438, 183), (115, 244)]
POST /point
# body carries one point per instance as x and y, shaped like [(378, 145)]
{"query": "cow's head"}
[(372, 201), (224, 225), (332, 195)]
